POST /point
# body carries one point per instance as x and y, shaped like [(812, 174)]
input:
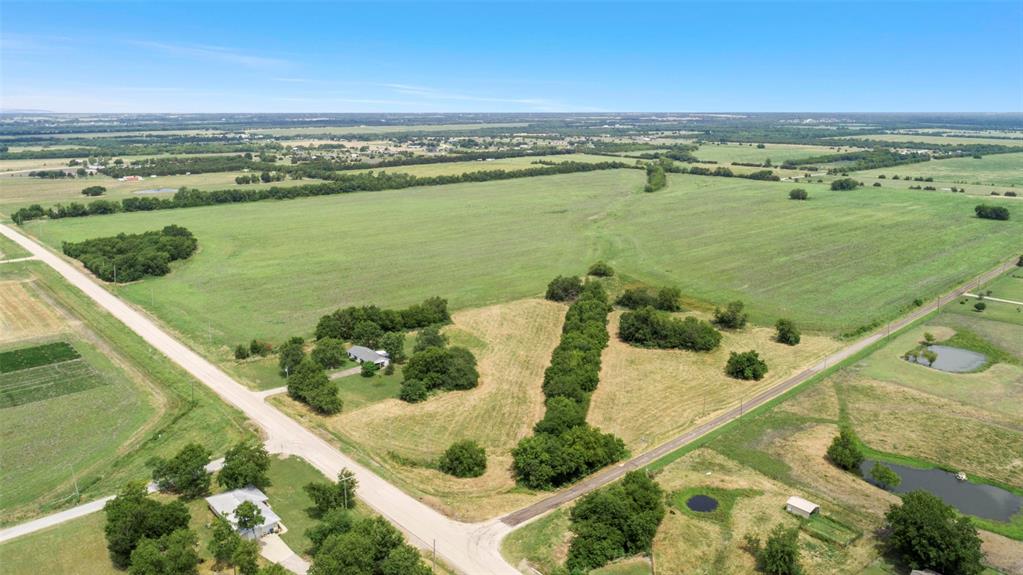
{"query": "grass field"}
[(777, 153), (685, 388), (520, 163), (931, 139), (49, 444), (10, 250), (718, 239), (512, 343), (997, 169)]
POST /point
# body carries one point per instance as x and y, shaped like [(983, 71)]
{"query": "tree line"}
[(342, 323), (129, 257), (564, 447)]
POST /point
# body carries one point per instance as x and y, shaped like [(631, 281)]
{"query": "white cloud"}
[(214, 54)]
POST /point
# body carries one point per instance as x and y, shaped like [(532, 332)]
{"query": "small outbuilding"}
[(801, 507), (923, 572), (224, 504), (362, 354)]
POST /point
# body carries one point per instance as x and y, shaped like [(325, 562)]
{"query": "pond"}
[(986, 501), (952, 359), (702, 503)]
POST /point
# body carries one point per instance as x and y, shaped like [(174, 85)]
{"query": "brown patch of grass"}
[(23, 316), (819, 401), (1002, 553), (513, 344), (647, 396)]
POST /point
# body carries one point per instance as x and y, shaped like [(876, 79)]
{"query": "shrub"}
[(798, 194), (732, 316), (601, 269), (463, 459), (845, 452), (93, 191), (844, 184), (884, 476), (635, 298), (413, 391), (668, 299), (241, 352), (260, 348), (788, 333), (980, 306), (992, 212), (746, 365), (564, 288), (928, 534), (368, 369), (330, 496)]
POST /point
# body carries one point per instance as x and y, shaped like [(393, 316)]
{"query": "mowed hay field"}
[(512, 343), (647, 396), (996, 169), (834, 263), (777, 153)]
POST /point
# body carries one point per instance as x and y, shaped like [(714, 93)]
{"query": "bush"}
[(635, 298), (884, 476), (330, 496), (732, 316), (601, 269), (260, 348), (130, 257), (614, 522), (668, 299), (798, 194), (368, 369), (992, 212), (413, 391), (564, 288), (928, 534), (648, 327), (788, 333), (845, 452), (463, 459), (844, 184), (980, 306), (746, 365), (93, 191), (241, 352)]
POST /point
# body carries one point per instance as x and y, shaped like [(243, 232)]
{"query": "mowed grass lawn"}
[(836, 262), (997, 169)]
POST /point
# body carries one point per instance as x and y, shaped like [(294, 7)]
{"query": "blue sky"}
[(511, 56)]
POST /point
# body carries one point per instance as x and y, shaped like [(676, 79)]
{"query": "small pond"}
[(952, 359), (986, 501), (702, 503), (157, 191)]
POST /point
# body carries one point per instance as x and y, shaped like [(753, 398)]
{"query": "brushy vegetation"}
[(565, 448), (648, 327), (129, 257)]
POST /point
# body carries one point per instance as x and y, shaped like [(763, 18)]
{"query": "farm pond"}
[(985, 501), (702, 503), (951, 359)]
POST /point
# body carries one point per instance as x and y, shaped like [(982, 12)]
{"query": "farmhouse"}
[(224, 504), (801, 507), (364, 354)]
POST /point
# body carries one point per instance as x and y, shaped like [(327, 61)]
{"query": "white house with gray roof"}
[(224, 504), (364, 354)]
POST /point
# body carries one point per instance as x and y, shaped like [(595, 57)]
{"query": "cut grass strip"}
[(29, 357)]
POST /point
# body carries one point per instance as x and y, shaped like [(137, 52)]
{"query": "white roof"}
[(225, 503), (365, 354), (802, 504)]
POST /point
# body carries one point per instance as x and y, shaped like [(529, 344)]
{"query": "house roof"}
[(365, 354), (224, 504), (802, 504)]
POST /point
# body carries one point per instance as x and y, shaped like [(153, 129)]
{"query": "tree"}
[(132, 516), (780, 555), (428, 337), (884, 476), (290, 354), (746, 365), (171, 554), (248, 516), (463, 459), (241, 352), (562, 414), (329, 353), (370, 547), (368, 369), (246, 463), (413, 391), (845, 451), (93, 191), (246, 557), (844, 184), (928, 534), (668, 299), (601, 269), (393, 342), (334, 522), (338, 495), (788, 333), (310, 384), (367, 333), (980, 306), (798, 194), (223, 541), (732, 316), (564, 288), (185, 473)]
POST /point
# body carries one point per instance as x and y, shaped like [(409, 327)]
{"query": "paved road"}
[(468, 548), (608, 475)]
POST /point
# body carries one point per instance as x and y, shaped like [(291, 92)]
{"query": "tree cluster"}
[(342, 324), (245, 464), (370, 546), (648, 327), (926, 533), (130, 257), (798, 194), (992, 212), (185, 473), (845, 451), (564, 288), (310, 384), (666, 299), (132, 517), (656, 179), (614, 522), (842, 184), (746, 365), (435, 368), (732, 316), (565, 448)]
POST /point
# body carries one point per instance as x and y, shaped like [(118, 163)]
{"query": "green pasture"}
[(932, 139), (996, 169), (777, 153)]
